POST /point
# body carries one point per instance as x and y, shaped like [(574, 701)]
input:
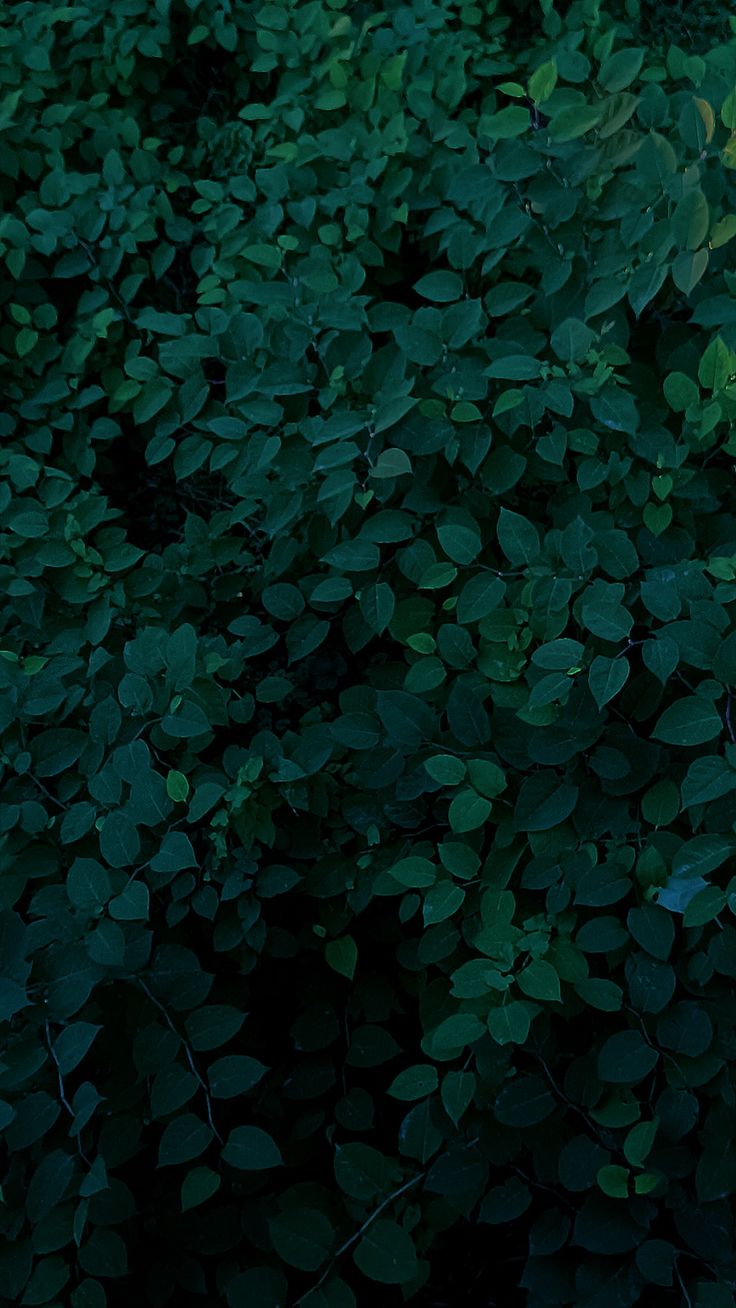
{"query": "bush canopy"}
[(367, 736)]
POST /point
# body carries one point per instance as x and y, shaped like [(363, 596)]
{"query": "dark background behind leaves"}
[(368, 554)]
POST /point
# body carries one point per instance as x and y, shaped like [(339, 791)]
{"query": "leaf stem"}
[(683, 1287), (187, 1051), (357, 1234), (62, 1090)]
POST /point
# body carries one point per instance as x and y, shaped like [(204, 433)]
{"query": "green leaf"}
[(661, 804), (646, 282), (48, 1184), (543, 802), (342, 956), (689, 721), (479, 596), (572, 122), (283, 601), (506, 401), (606, 678), (514, 367), (680, 391), (486, 777), (542, 82), (458, 1089), (639, 1141), (616, 410), (88, 884), (661, 657), (707, 778), (302, 1237), (688, 269), (198, 1186), (440, 287), (47, 1280), (377, 605), (717, 365), (25, 341), (390, 463), (460, 544), (465, 412), (441, 901), (679, 893), (704, 906), (652, 928), (258, 1287), (177, 787), (250, 1149), (691, 219), (614, 1180), (504, 125), (728, 111), (184, 1138), (510, 1023), (235, 1074), (600, 993), (517, 537), (72, 1044), (571, 340), (362, 1172), (154, 396), (414, 872), (702, 854), (524, 1101), (603, 614), (453, 1034), (175, 854), (386, 1253), (120, 843), (447, 769), (619, 70), (132, 904), (559, 655), (626, 1058), (539, 980), (468, 811), (415, 1082), (213, 1025)]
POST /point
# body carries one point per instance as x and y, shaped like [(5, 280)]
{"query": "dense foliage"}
[(368, 752)]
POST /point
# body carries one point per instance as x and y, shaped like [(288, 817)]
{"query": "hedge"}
[(367, 729)]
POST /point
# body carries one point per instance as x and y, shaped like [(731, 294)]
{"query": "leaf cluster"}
[(367, 745)]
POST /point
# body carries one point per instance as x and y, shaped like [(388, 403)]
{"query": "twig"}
[(570, 1103), (187, 1051), (540, 1185), (46, 792), (630, 644), (371, 1218), (62, 1090), (683, 1287)]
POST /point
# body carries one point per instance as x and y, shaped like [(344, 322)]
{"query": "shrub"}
[(369, 554)]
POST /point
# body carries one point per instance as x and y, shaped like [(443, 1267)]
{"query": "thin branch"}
[(62, 1090), (540, 1185), (361, 1230), (570, 1103), (187, 1051), (630, 644), (683, 1287), (46, 792)]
